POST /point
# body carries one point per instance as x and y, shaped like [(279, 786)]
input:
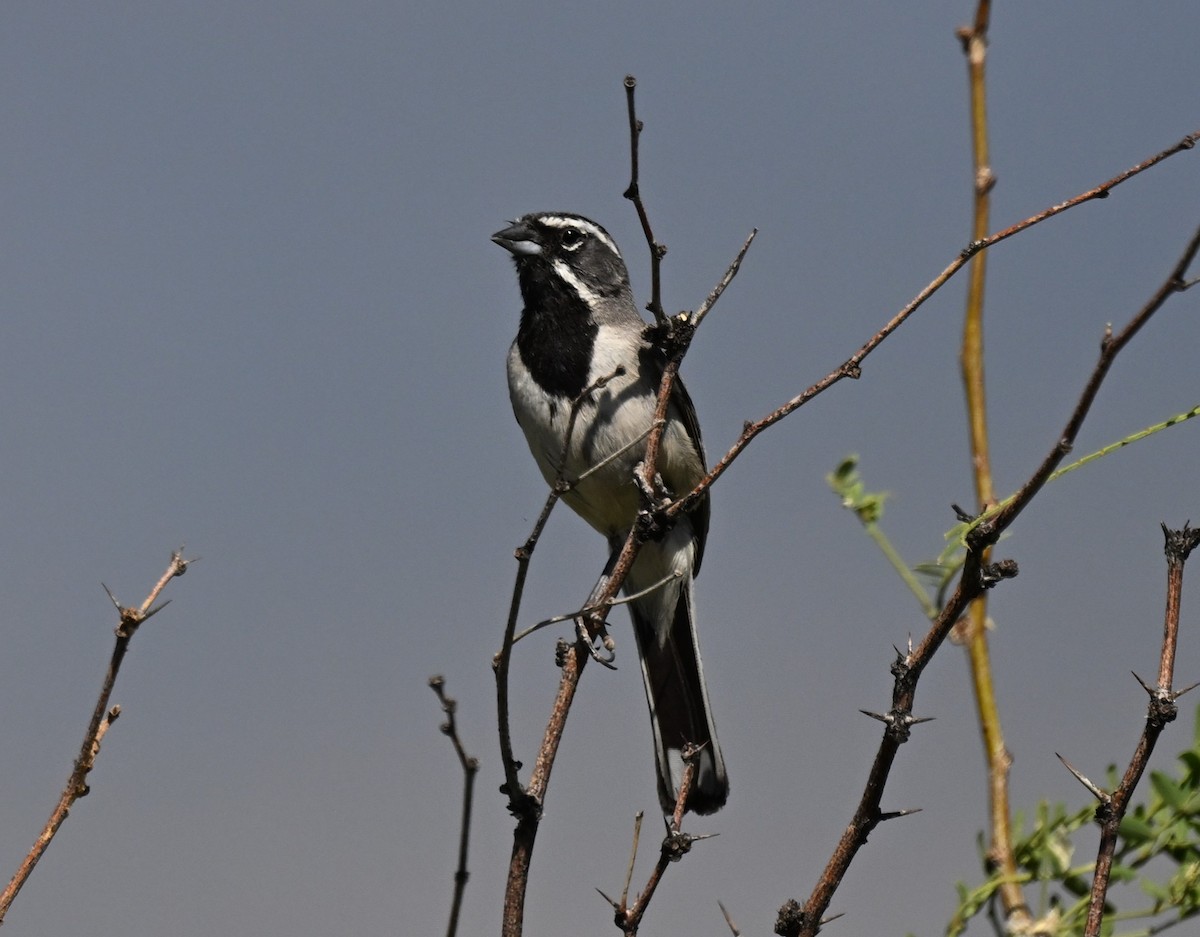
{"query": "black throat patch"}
[(557, 332)]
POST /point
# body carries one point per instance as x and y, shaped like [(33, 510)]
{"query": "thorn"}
[(155, 610), (895, 814), (614, 905), (1101, 795), (898, 721), (111, 596), (1186, 689), (1145, 686), (834, 918), (728, 919)]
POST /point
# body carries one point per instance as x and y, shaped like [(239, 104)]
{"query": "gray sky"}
[(250, 305)]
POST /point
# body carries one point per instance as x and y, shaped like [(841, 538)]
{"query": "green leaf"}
[(1168, 790), (1135, 830)]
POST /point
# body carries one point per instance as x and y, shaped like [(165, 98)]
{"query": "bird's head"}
[(556, 252)]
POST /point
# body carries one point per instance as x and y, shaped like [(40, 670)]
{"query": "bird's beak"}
[(518, 239)]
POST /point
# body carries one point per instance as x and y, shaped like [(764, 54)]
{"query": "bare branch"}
[(470, 768), (732, 271), (102, 718), (634, 194), (852, 367)]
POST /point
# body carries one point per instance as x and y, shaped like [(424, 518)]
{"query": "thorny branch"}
[(1161, 710), (130, 619), (795, 920)]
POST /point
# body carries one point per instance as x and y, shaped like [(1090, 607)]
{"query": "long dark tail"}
[(678, 698)]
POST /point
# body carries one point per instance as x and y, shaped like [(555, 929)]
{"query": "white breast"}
[(614, 415)]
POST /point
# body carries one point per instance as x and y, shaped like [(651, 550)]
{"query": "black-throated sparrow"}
[(580, 324)]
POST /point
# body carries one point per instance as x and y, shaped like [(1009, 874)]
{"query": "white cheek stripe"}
[(566, 221), (584, 291)]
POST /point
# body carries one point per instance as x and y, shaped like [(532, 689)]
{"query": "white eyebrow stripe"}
[(566, 221), (584, 291)]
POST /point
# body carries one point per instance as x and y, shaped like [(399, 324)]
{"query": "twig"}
[(634, 194), (732, 271), (676, 844), (102, 718), (1110, 347), (470, 767), (1161, 710), (795, 920), (852, 367), (592, 611)]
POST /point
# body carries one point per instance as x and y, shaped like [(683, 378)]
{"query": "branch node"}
[(992, 573), (972, 249), (1178, 544), (791, 918), (899, 722), (1162, 710), (676, 845)]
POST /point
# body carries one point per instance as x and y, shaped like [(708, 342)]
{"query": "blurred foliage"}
[(1156, 866)]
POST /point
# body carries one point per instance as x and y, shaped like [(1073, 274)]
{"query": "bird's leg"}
[(652, 521), (593, 629)]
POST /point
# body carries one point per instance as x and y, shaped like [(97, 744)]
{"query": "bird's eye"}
[(572, 238)]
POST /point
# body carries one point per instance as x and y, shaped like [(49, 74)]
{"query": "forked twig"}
[(102, 718), (676, 844)]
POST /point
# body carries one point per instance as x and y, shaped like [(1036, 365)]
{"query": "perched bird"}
[(580, 324)]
